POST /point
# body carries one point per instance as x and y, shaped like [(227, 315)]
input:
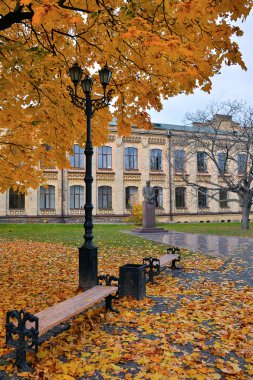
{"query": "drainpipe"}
[(170, 174), (64, 194), (62, 213)]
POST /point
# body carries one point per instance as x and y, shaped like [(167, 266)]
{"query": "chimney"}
[(219, 118)]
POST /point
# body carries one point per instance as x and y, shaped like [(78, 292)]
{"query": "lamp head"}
[(75, 73), (105, 75), (86, 84)]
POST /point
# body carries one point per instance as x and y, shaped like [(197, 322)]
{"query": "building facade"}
[(120, 170)]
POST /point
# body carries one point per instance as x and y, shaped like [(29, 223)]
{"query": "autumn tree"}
[(156, 48), (221, 145)]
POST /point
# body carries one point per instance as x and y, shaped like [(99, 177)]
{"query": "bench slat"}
[(61, 312), (167, 258)]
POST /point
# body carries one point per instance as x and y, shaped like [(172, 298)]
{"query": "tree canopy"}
[(156, 49)]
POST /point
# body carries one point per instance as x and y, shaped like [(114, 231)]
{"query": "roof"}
[(186, 128), (174, 127)]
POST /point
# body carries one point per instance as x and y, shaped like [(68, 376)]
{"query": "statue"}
[(149, 193)]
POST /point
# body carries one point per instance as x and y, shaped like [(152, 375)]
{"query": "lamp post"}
[(88, 266)]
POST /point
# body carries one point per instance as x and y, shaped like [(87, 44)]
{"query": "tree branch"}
[(73, 8), (15, 17)]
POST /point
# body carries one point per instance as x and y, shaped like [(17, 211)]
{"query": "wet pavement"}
[(214, 245)]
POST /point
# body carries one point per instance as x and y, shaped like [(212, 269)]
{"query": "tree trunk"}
[(245, 217)]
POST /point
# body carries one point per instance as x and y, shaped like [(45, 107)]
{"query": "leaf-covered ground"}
[(196, 323)]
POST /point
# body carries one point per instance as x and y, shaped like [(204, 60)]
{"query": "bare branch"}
[(16, 17)]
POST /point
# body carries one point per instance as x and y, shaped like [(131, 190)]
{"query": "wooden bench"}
[(28, 328), (154, 266)]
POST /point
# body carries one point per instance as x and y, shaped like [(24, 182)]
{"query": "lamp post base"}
[(88, 267)]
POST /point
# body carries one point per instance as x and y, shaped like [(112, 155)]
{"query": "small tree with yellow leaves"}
[(136, 214)]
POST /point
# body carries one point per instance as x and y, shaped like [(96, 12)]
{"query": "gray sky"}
[(232, 83)]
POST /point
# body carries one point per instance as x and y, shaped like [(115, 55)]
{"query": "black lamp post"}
[(88, 268)]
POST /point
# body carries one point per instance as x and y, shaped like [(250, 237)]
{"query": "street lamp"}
[(88, 266)]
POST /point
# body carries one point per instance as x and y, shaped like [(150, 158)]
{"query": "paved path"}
[(219, 246), (235, 251)]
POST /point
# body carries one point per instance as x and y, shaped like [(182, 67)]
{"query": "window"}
[(223, 198), (77, 160), (201, 162), (131, 158), (222, 162), (47, 197), (179, 161), (76, 197), (202, 197), (131, 196), (180, 197), (16, 200), (104, 157), (156, 159), (104, 197), (242, 163), (158, 196)]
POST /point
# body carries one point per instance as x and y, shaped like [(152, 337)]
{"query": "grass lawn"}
[(72, 234), (110, 234), (231, 229)]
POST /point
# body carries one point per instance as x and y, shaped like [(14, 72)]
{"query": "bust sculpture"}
[(149, 193)]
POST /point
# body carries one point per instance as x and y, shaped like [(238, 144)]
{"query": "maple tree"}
[(156, 48)]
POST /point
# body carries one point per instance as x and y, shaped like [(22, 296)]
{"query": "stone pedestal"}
[(148, 215), (148, 219)]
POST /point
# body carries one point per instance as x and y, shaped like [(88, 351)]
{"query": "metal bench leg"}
[(173, 264), (27, 338), (174, 251), (108, 282), (152, 268), (108, 303)]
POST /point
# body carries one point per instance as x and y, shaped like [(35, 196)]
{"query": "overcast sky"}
[(232, 83)]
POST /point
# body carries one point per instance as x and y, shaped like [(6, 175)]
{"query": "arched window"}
[(105, 197), (104, 157), (76, 197), (16, 200), (77, 160), (155, 159), (131, 158), (47, 197), (158, 196), (180, 197), (131, 196)]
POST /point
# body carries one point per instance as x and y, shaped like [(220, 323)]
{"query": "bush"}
[(136, 214)]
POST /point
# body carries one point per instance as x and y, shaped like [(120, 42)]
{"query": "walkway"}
[(236, 252), (214, 245)]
